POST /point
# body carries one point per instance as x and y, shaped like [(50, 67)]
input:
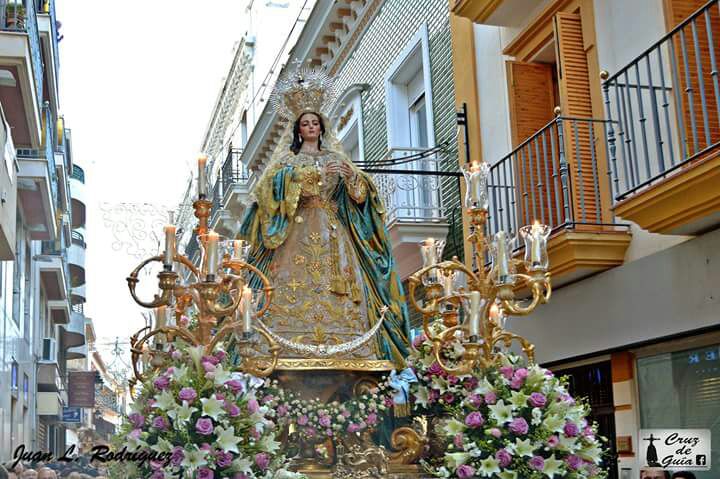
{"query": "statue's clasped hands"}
[(341, 168)]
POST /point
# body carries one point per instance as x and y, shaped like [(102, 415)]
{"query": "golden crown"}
[(304, 90)]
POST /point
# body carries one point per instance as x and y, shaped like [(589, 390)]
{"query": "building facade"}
[(42, 216), (599, 118)]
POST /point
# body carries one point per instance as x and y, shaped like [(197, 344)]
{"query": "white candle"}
[(202, 176), (247, 309), (211, 246), (474, 313), (494, 311), (449, 283), (501, 256), (536, 233), (428, 249), (476, 182), (169, 245)]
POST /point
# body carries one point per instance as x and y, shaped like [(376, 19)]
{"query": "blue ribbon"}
[(401, 384)]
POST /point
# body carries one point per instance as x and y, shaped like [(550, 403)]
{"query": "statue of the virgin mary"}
[(318, 232)]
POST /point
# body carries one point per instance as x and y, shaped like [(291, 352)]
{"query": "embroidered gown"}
[(322, 242)]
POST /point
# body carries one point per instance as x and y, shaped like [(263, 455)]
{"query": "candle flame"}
[(494, 311)]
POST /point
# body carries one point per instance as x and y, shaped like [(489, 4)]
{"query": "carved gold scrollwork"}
[(409, 446)]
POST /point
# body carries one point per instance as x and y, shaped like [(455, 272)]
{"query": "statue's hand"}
[(339, 168)]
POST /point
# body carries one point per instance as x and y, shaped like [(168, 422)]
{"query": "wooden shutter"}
[(678, 11), (532, 101), (580, 137)]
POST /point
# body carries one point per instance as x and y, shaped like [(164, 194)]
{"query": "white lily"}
[(182, 413), (165, 401), (500, 412), (226, 439), (194, 458), (212, 407)]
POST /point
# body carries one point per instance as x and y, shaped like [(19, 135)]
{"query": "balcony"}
[(8, 184), (414, 196), (664, 146), (59, 311), (54, 273), (21, 72), (233, 198), (78, 199), (553, 178), (37, 185), (47, 27), (77, 295), (74, 332), (76, 259)]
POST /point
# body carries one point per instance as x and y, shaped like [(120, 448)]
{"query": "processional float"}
[(227, 309)]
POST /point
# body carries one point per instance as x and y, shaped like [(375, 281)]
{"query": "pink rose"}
[(465, 471), (262, 460), (519, 426), (302, 420), (474, 419), (504, 458), (537, 463)]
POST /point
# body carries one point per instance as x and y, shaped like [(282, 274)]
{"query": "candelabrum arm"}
[(467, 363), (238, 266), (541, 291), (167, 283)]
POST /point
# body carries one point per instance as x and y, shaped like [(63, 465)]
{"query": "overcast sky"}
[(137, 85)]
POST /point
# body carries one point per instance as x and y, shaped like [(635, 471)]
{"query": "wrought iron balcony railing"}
[(233, 170), (415, 196), (78, 239), (664, 106), (21, 16), (552, 177)]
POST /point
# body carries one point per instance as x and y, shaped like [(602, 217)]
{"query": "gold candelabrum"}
[(219, 290), (489, 294)]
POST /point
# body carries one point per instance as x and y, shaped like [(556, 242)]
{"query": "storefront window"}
[(682, 390)]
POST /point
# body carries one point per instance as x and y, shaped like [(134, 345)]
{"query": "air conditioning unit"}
[(49, 350)]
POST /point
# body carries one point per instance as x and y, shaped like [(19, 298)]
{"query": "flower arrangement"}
[(197, 419), (509, 421), (318, 420)]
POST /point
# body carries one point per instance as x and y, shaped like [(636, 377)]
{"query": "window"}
[(347, 120), (410, 131), (682, 390)]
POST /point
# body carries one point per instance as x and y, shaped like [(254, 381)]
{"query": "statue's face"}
[(310, 127), (652, 473)]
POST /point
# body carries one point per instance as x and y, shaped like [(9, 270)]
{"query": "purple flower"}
[(211, 359), (187, 394), (352, 427), (521, 373), (205, 473), (537, 463), (553, 441), (204, 426), (136, 419), (205, 446), (458, 440), (474, 419), (452, 379), (507, 371), (504, 458), (223, 459), (282, 410), (158, 475), (176, 354), (570, 429), (516, 383), (234, 385), (372, 419), (475, 400), (588, 432), (220, 355), (262, 460), (491, 398), (435, 369), (310, 431), (465, 471), (448, 398), (433, 395), (135, 434), (537, 400), (160, 423), (418, 341), (495, 432), (345, 413), (574, 462), (470, 383), (519, 426), (302, 420), (253, 406), (177, 456), (233, 411), (324, 421), (162, 382), (240, 475), (267, 399)]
